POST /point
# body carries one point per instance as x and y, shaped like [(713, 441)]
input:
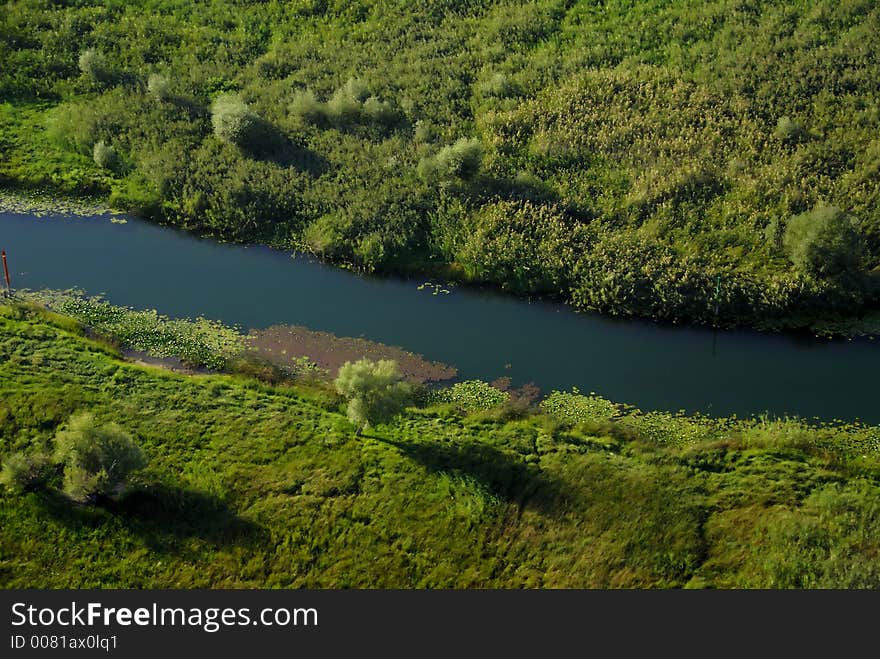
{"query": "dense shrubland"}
[(628, 157), (252, 485)]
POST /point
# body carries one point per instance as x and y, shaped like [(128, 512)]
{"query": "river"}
[(484, 334)]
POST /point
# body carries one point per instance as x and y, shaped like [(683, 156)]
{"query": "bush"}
[(375, 391), (104, 155), (93, 65), (346, 104), (234, 122), (97, 459), (824, 242), (461, 160), (307, 107), (25, 472), (497, 86), (789, 131), (159, 87)]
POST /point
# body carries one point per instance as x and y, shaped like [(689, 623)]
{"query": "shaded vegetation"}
[(254, 485), (625, 157)]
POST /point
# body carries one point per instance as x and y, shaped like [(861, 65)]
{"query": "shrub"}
[(788, 130), (234, 122), (93, 65), (159, 87), (307, 107), (824, 242), (97, 459), (24, 472), (375, 391), (497, 86), (346, 104), (380, 112), (461, 160), (104, 155)]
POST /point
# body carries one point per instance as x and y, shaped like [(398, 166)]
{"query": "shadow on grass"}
[(272, 145), (163, 516), (502, 474)]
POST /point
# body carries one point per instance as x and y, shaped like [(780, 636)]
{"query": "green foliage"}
[(470, 396), (159, 87), (349, 105), (93, 65), (199, 342), (531, 248), (234, 122), (460, 160), (105, 155), (824, 242), (789, 131), (572, 407), (97, 459), (672, 139), (23, 472), (254, 486), (376, 391), (306, 106)]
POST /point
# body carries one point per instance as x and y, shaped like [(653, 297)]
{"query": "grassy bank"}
[(715, 163), (253, 485)]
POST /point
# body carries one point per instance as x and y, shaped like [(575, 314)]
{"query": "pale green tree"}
[(375, 390), (97, 459)]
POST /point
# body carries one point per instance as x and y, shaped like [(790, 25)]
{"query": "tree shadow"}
[(272, 145), (161, 515), (193, 108), (502, 474)]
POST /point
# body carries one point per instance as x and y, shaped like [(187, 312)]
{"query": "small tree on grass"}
[(824, 242), (105, 156), (97, 459), (460, 160), (234, 122), (24, 472), (93, 65), (376, 391), (159, 87)]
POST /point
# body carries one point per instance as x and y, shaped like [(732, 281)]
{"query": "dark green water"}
[(485, 335)]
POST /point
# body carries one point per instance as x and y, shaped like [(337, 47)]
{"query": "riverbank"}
[(483, 335), (252, 485), (42, 203)]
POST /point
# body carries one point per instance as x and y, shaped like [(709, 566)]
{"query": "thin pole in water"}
[(6, 272)]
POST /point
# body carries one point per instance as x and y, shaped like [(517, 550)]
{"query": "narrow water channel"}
[(485, 335)]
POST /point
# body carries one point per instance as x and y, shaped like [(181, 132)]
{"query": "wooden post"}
[(6, 273)]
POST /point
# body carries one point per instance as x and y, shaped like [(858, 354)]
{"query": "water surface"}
[(485, 335)]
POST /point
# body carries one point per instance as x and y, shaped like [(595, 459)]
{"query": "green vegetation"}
[(375, 391), (255, 485), (97, 459), (199, 342), (470, 396), (623, 157)]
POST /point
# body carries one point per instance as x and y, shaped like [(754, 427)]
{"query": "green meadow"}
[(251, 484)]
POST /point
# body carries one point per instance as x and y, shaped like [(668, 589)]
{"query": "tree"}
[(105, 156), (93, 65), (25, 472), (159, 87), (376, 391), (460, 160), (824, 242), (234, 122), (97, 459)]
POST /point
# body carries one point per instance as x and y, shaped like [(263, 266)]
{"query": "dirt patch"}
[(283, 344)]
